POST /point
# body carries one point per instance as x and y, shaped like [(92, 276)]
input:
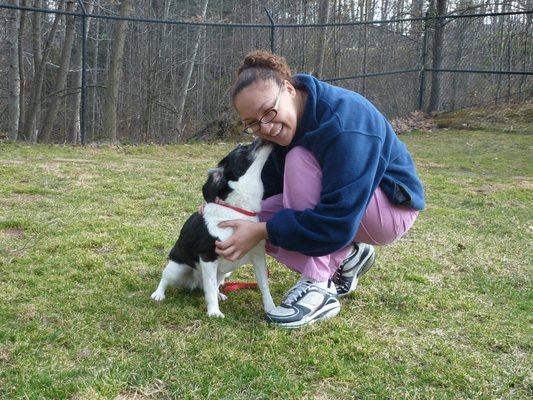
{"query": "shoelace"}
[(343, 287), (336, 278), (296, 292), (337, 275)]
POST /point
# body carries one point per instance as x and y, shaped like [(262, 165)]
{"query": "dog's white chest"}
[(214, 214)]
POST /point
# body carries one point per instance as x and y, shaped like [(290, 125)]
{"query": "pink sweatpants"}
[(382, 224)]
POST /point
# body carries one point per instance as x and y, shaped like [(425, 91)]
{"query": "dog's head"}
[(240, 168)]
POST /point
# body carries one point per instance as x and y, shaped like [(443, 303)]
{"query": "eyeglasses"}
[(265, 118)]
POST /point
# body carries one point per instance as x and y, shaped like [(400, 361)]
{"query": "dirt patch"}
[(430, 164), (14, 232), (74, 160), (156, 390), (416, 121), (5, 356), (478, 118), (497, 187)]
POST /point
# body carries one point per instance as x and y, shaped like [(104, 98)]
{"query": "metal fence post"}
[(272, 28), (83, 106), (422, 79)]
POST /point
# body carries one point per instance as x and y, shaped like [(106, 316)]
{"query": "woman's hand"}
[(246, 235)]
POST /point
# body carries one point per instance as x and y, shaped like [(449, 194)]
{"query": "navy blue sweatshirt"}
[(357, 150)]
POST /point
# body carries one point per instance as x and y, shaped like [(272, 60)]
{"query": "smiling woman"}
[(266, 98), (337, 182)]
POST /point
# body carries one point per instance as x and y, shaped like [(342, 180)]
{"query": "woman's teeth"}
[(276, 132)]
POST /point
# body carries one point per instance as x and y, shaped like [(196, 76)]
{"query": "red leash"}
[(233, 286)]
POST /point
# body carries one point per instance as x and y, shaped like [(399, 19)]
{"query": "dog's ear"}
[(216, 181)]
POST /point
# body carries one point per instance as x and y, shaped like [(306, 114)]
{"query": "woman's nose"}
[(266, 128)]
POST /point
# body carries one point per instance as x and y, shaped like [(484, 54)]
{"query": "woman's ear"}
[(289, 88)]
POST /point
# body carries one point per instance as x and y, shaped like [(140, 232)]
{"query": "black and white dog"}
[(233, 191)]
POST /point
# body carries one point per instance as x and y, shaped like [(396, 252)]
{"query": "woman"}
[(337, 182)]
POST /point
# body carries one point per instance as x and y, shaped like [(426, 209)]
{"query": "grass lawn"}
[(84, 234)]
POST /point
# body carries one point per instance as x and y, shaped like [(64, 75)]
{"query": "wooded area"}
[(165, 82)]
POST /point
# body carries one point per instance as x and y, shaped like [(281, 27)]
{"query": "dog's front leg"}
[(261, 275), (209, 278)]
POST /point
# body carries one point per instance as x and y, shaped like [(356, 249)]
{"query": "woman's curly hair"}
[(261, 65)]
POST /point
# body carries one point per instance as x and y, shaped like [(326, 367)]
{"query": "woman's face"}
[(259, 98)]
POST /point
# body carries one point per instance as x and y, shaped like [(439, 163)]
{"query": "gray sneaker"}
[(356, 263), (304, 304)]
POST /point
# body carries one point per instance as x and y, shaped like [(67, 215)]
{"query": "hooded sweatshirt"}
[(357, 150)]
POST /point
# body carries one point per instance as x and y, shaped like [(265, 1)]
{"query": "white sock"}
[(322, 284)]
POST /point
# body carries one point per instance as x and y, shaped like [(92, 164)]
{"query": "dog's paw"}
[(158, 296), (216, 314), (222, 297)]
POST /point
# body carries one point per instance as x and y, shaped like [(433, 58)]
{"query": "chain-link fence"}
[(485, 58)]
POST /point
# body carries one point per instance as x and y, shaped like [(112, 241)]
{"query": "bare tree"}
[(323, 18), (438, 43), (460, 39), (61, 74), (22, 75), (183, 71), (527, 55), (182, 97), (95, 64), (74, 130), (115, 72), (417, 10), (30, 130), (13, 26)]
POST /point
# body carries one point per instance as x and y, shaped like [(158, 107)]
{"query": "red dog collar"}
[(240, 210)]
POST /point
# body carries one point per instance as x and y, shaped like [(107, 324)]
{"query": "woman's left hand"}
[(246, 235)]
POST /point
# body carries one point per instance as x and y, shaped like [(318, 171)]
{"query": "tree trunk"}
[(365, 13), (188, 73), (30, 121), (501, 55), (22, 80), (304, 37), (37, 46), (13, 26), (527, 55), (153, 69), (461, 28), (323, 17), (438, 42), (384, 10), (61, 75), (417, 11), (457, 59), (114, 73), (75, 129), (95, 76), (201, 78)]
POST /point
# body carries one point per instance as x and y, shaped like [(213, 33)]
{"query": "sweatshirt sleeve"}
[(350, 163)]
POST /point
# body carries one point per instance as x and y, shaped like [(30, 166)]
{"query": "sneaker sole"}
[(366, 266), (324, 313)]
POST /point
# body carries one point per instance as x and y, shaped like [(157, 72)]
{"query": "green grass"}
[(84, 233)]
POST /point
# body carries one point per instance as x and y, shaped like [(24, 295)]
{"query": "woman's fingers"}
[(231, 253), (225, 244)]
